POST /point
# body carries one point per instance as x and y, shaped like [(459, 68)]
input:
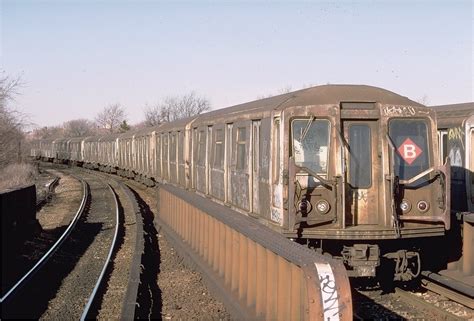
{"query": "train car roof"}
[(77, 139), (177, 124), (60, 140), (319, 95), (453, 114), (139, 132)]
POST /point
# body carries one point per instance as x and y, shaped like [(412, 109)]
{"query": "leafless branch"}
[(176, 107), (111, 117)]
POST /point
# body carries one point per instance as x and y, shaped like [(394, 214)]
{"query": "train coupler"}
[(407, 264), (363, 258)]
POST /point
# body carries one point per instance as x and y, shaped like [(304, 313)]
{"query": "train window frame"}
[(328, 146), (276, 130), (180, 148), (158, 156), (355, 181), (201, 147), (241, 162), (219, 148), (443, 144), (173, 147), (427, 151), (165, 155)]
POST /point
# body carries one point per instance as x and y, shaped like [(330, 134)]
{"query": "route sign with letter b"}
[(409, 151)]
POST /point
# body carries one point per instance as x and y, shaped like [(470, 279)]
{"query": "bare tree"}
[(190, 105), (12, 122), (153, 115), (8, 89), (51, 132), (176, 107), (78, 128), (111, 117)]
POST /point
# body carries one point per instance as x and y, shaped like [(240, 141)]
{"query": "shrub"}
[(17, 175)]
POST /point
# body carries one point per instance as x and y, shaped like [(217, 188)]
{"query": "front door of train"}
[(363, 172)]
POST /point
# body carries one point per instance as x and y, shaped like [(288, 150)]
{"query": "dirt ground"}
[(184, 296)]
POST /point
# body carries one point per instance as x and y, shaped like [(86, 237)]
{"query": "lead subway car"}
[(349, 170)]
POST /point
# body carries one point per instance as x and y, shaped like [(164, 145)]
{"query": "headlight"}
[(305, 206), (322, 206), (423, 206), (405, 206)]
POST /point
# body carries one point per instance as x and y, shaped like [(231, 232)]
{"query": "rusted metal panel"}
[(271, 286), (252, 273), (283, 289), (243, 263), (222, 249), (228, 256), (234, 285), (261, 295), (271, 277)]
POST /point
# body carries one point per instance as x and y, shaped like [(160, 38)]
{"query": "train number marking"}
[(399, 111), (329, 293), (409, 151)]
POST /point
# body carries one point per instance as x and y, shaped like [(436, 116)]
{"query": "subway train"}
[(456, 140), (351, 171)]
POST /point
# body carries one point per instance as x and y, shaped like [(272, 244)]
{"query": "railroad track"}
[(67, 281), (50, 190), (406, 304), (431, 309), (456, 291), (24, 281)]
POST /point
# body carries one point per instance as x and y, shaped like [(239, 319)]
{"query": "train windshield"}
[(310, 140), (410, 139)]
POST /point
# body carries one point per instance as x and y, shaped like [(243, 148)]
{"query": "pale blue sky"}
[(78, 56)]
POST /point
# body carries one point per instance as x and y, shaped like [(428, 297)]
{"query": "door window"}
[(360, 170), (241, 148)]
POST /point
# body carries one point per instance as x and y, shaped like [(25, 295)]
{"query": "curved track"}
[(107, 260), (60, 284), (24, 279)]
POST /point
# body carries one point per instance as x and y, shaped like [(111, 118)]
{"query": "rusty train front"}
[(365, 185)]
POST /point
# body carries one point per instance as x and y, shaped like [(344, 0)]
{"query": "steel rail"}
[(450, 294), (130, 300), (53, 249), (409, 298), (107, 261), (450, 283), (51, 186)]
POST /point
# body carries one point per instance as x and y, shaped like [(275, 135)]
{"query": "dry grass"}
[(16, 175)]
